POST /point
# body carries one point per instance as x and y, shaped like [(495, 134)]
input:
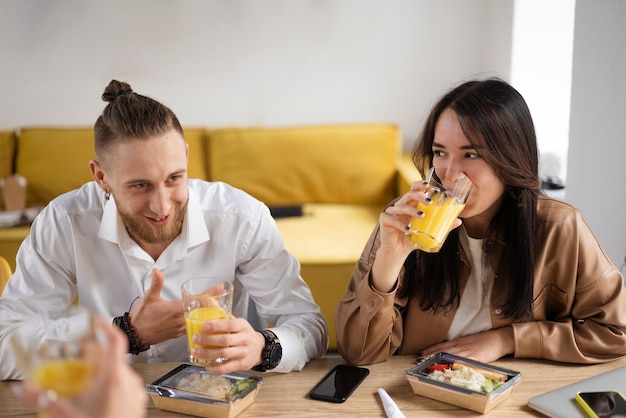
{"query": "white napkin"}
[(391, 409)]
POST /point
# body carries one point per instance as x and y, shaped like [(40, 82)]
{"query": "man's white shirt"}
[(78, 247)]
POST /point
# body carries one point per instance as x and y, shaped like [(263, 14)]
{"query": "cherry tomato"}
[(437, 367)]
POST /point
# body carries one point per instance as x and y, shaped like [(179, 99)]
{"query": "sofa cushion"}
[(43, 152), (352, 164), (329, 233), (42, 160), (7, 151), (196, 138)]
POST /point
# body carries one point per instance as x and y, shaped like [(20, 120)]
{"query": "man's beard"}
[(153, 234)]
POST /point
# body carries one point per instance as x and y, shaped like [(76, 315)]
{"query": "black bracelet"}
[(135, 346)]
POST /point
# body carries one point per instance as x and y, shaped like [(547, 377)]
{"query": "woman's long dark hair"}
[(496, 120)]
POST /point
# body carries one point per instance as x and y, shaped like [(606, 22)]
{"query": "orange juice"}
[(67, 377), (429, 233), (194, 320)]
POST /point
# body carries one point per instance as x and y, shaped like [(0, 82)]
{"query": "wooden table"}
[(285, 395)]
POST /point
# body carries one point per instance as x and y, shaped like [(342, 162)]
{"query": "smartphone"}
[(339, 383), (602, 404)]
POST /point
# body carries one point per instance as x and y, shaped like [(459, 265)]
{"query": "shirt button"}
[(370, 306), (498, 311)]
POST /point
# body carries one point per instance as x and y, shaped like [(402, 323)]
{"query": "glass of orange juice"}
[(60, 362), (448, 191), (205, 299)]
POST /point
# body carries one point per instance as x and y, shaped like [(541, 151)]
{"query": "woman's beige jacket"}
[(579, 306)]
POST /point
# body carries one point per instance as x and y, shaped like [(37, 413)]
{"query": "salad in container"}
[(192, 390), (462, 382)]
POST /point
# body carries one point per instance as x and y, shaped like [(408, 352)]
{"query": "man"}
[(125, 243)]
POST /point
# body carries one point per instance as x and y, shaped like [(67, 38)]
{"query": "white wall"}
[(597, 146), (247, 62)]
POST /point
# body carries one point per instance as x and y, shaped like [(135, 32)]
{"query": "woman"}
[(522, 275)]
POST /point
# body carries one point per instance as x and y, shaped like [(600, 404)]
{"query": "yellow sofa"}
[(340, 175)]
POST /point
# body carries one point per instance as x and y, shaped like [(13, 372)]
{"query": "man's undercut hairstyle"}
[(130, 116)]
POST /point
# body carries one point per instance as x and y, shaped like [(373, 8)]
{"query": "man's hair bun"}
[(116, 89)]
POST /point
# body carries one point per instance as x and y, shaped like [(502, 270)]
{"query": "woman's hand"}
[(395, 246), (484, 347)]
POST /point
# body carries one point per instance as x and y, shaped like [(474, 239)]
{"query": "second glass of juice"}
[(448, 191), (205, 299), (60, 364)]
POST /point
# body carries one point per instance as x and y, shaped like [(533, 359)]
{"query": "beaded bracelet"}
[(135, 346)]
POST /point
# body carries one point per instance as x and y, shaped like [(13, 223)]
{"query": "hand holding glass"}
[(64, 366), (448, 191), (205, 299)]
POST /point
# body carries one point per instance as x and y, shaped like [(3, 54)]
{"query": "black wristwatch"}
[(272, 352)]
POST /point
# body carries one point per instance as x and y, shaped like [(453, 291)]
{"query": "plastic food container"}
[(191, 390), (422, 380)]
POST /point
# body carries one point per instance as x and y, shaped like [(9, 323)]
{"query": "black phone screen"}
[(339, 383), (605, 404)]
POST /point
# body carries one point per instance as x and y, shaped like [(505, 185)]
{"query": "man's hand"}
[(233, 339), (485, 347), (155, 319)]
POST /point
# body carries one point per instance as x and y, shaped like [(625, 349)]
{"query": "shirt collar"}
[(199, 233)]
